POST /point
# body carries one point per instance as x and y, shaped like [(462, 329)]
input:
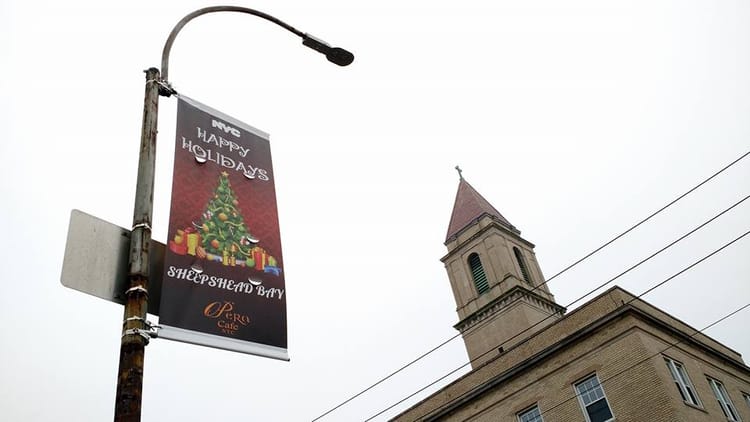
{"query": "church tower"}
[(496, 280)]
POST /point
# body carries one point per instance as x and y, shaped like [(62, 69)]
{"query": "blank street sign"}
[(96, 260)]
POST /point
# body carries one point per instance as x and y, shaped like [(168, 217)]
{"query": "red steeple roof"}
[(469, 207)]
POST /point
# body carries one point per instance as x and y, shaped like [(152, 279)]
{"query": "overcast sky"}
[(575, 119)]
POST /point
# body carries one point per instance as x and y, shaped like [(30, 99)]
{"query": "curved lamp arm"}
[(335, 55)]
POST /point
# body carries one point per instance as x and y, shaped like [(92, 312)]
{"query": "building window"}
[(593, 402), (723, 398), (522, 264), (530, 415), (477, 273), (681, 379)]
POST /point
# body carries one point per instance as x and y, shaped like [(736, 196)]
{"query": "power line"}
[(649, 217), (623, 305), (420, 357)]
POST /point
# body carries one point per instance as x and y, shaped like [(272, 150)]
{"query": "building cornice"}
[(502, 301)]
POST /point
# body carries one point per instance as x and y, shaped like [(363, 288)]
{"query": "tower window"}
[(477, 273), (522, 265)]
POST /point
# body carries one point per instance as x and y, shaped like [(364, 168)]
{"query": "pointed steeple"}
[(469, 207), (496, 280)]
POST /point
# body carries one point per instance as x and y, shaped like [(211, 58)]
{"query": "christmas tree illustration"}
[(224, 233), (223, 236)]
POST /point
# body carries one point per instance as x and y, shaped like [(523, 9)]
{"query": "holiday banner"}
[(223, 282)]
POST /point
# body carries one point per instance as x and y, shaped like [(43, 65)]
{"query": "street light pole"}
[(136, 330)]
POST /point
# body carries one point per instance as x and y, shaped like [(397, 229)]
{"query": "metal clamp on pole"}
[(142, 225), (152, 330), (165, 88), (137, 318), (146, 334), (138, 289), (137, 332)]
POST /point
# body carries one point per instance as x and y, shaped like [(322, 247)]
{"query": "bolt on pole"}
[(135, 328)]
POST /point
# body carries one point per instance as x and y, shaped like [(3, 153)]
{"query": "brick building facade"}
[(615, 358)]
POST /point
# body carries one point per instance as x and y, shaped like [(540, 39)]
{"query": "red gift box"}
[(178, 249), (260, 257)]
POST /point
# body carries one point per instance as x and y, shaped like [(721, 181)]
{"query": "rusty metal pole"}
[(135, 329)]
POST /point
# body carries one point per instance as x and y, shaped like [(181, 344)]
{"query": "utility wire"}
[(649, 217), (671, 345), (623, 305), (420, 357)]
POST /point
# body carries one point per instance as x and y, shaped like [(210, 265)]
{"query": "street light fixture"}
[(335, 55), (136, 330)]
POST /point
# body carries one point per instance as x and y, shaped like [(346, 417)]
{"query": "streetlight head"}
[(335, 55), (340, 56)]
